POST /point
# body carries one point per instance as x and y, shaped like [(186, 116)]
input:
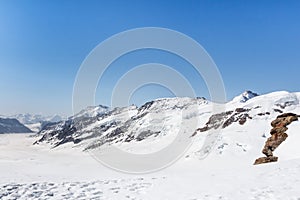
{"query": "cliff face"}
[(278, 136)]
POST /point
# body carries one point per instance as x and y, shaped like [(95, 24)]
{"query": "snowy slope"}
[(32, 171), (155, 124), (244, 127), (155, 119), (227, 172)]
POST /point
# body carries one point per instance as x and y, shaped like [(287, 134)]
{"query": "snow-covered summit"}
[(91, 111), (245, 96)]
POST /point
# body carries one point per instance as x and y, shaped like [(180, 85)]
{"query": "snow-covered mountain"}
[(35, 121), (153, 119), (218, 164), (35, 118), (8, 125), (245, 96), (91, 111), (244, 125)]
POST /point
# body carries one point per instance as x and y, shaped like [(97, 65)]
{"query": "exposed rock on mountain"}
[(8, 125), (80, 128), (278, 136), (247, 95), (263, 160), (154, 119), (225, 119)]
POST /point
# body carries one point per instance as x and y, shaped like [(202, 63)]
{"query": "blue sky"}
[(255, 44)]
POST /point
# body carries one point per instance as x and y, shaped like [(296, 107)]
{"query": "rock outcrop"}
[(278, 136), (225, 119)]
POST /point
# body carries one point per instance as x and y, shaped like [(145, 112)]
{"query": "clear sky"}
[(255, 44)]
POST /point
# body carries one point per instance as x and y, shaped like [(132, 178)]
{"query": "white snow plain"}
[(35, 172)]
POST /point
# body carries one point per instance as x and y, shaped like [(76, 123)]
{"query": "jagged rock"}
[(284, 120), (277, 122), (215, 121), (285, 104), (265, 160), (278, 130), (237, 117), (287, 115), (277, 110), (278, 136), (262, 114), (239, 110), (225, 119), (273, 142)]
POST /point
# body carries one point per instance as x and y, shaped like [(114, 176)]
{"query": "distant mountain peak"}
[(28, 118), (91, 111), (245, 96), (8, 125)]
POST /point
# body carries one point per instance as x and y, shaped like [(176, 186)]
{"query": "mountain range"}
[(33, 122), (244, 125), (226, 141)]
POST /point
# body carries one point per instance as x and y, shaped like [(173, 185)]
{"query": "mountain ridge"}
[(156, 124), (8, 125)]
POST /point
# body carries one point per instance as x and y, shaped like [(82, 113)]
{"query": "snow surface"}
[(34, 172), (66, 172)]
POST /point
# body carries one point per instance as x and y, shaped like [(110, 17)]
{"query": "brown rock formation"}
[(278, 135), (266, 160), (225, 119)]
